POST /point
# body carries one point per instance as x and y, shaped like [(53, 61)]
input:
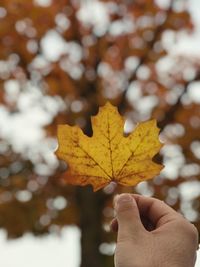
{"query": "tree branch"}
[(170, 114)]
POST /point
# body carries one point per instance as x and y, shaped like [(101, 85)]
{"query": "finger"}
[(146, 223), (128, 217), (155, 210)]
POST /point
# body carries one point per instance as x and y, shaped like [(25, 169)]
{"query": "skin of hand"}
[(152, 234)]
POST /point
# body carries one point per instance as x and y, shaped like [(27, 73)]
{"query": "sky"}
[(62, 250), (51, 251)]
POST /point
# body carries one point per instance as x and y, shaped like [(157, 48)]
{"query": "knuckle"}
[(193, 231), (190, 229)]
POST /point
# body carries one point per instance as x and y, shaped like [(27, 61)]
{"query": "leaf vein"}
[(93, 160), (132, 153)]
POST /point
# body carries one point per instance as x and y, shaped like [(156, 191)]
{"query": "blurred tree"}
[(68, 58)]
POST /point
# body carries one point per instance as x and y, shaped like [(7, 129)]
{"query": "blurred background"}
[(60, 61)]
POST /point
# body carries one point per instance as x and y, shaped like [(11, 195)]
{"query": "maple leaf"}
[(108, 155)]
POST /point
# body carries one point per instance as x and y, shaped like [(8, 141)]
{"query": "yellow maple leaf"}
[(108, 155)]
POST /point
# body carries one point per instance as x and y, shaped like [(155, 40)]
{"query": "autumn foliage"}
[(116, 51)]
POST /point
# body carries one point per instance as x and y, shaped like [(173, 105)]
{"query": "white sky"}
[(51, 251)]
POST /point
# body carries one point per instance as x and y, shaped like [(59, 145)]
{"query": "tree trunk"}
[(90, 206)]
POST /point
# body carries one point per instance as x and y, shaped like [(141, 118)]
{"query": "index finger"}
[(155, 210)]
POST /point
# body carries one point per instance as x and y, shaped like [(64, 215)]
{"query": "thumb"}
[(128, 217)]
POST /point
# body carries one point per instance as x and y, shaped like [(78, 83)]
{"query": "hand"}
[(152, 234)]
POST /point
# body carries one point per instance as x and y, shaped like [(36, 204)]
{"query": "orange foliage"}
[(120, 59)]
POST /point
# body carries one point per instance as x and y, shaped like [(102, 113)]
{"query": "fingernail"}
[(124, 198)]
